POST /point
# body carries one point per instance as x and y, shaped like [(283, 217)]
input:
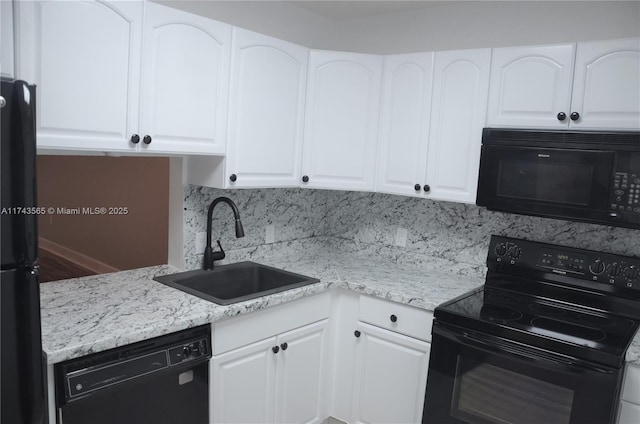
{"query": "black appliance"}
[(543, 341), (160, 380), (577, 176), (23, 393)]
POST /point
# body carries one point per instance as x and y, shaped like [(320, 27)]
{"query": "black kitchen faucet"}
[(209, 254)]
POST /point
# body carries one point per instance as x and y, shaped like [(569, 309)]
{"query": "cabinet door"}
[(84, 57), (391, 377), (531, 86), (300, 383), (458, 110), (606, 87), (185, 74), (266, 111), (341, 122), (406, 101), (242, 384)]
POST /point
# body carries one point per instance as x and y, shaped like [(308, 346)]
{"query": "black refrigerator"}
[(22, 389)]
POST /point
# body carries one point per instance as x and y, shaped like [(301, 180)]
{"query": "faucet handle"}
[(218, 255)]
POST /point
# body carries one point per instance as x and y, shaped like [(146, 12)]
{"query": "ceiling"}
[(346, 10)]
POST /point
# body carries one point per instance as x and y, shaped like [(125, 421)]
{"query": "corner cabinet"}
[(391, 362), (458, 111), (266, 111), (96, 94), (404, 132), (341, 123), (545, 87)]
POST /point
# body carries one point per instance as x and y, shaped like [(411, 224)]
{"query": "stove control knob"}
[(186, 351), (614, 269), (514, 252), (501, 249), (631, 273), (597, 267)]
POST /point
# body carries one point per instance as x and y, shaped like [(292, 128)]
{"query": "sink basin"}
[(234, 283)]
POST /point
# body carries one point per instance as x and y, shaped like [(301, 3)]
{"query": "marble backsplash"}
[(368, 222)]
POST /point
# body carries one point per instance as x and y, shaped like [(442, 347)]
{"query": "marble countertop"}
[(90, 314)]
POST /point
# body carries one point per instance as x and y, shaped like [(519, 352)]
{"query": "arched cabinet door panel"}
[(341, 123), (266, 111), (84, 57), (460, 89), (404, 131), (531, 86), (606, 88), (185, 74)]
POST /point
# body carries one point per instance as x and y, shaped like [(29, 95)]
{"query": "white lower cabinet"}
[(243, 384), (278, 379), (270, 366), (390, 378)]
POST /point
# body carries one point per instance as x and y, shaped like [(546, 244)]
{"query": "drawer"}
[(249, 328), (404, 319), (631, 388)]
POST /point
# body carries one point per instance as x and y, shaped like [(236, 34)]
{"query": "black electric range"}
[(552, 325)]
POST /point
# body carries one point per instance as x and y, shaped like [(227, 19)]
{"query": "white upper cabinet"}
[(341, 121), (404, 132), (606, 86), (530, 86), (185, 65), (103, 86), (84, 57), (544, 87), (266, 111), (458, 110)]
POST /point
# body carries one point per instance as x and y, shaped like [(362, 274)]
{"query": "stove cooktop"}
[(553, 298), (556, 326)]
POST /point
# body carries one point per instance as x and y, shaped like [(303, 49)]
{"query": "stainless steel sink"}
[(234, 283)]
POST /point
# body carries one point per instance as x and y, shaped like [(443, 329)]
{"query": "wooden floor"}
[(53, 268)]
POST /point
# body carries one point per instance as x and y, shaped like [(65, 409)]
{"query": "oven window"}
[(489, 394), (568, 183)]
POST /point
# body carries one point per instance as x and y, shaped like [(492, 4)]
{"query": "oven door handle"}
[(498, 346)]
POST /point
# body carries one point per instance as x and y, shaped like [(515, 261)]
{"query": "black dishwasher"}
[(160, 380)]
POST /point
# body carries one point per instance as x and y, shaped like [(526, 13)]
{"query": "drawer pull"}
[(356, 333), (393, 318)]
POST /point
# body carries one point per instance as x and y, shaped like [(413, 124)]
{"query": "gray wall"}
[(369, 222), (436, 26)]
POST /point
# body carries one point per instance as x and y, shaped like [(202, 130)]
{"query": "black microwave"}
[(577, 176)]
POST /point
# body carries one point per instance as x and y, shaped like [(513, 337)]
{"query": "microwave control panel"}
[(624, 198)]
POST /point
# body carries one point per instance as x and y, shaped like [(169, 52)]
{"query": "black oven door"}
[(475, 378), (562, 183)]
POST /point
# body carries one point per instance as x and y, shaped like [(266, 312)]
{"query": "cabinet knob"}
[(146, 139), (561, 116), (275, 349), (233, 178), (426, 188), (135, 139), (356, 333), (305, 178), (284, 346), (393, 318), (417, 187), (574, 116)]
